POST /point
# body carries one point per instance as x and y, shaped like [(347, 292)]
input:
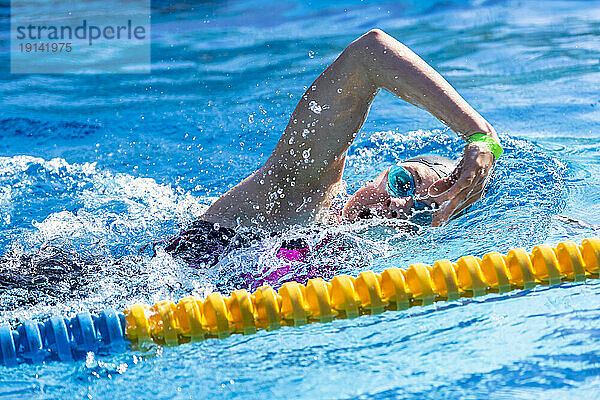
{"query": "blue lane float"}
[(63, 339)]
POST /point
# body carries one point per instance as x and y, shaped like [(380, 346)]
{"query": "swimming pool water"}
[(103, 165)]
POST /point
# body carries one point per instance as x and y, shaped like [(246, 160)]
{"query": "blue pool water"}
[(102, 165)]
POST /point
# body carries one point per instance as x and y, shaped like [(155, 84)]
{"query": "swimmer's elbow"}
[(375, 34), (373, 37), (374, 40)]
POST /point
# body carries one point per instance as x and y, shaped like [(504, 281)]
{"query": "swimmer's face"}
[(373, 199)]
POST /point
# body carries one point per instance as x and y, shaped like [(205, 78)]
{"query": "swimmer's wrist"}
[(493, 144), (479, 126)]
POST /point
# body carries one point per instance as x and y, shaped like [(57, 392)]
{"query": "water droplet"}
[(314, 107)]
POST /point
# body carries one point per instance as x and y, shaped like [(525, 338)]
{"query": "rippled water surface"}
[(93, 168)]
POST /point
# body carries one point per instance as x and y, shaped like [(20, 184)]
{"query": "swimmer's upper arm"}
[(326, 121)]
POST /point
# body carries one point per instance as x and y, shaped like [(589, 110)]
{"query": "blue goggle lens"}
[(400, 182)]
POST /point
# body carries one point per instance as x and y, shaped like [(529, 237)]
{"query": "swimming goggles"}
[(401, 183)]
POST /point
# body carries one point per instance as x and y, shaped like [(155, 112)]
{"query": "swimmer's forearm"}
[(392, 65)]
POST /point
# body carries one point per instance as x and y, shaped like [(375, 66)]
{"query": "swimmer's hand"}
[(464, 186)]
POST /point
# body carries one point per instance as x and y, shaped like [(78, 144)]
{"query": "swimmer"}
[(297, 183)]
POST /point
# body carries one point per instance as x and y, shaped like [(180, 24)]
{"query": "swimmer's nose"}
[(398, 207)]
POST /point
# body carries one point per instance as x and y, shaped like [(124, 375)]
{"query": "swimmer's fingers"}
[(474, 195), (461, 199), (476, 158), (460, 187), (442, 186)]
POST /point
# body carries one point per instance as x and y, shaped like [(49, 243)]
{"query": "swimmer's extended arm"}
[(333, 109), (309, 158)]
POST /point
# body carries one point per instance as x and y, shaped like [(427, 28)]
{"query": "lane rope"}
[(192, 319)]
